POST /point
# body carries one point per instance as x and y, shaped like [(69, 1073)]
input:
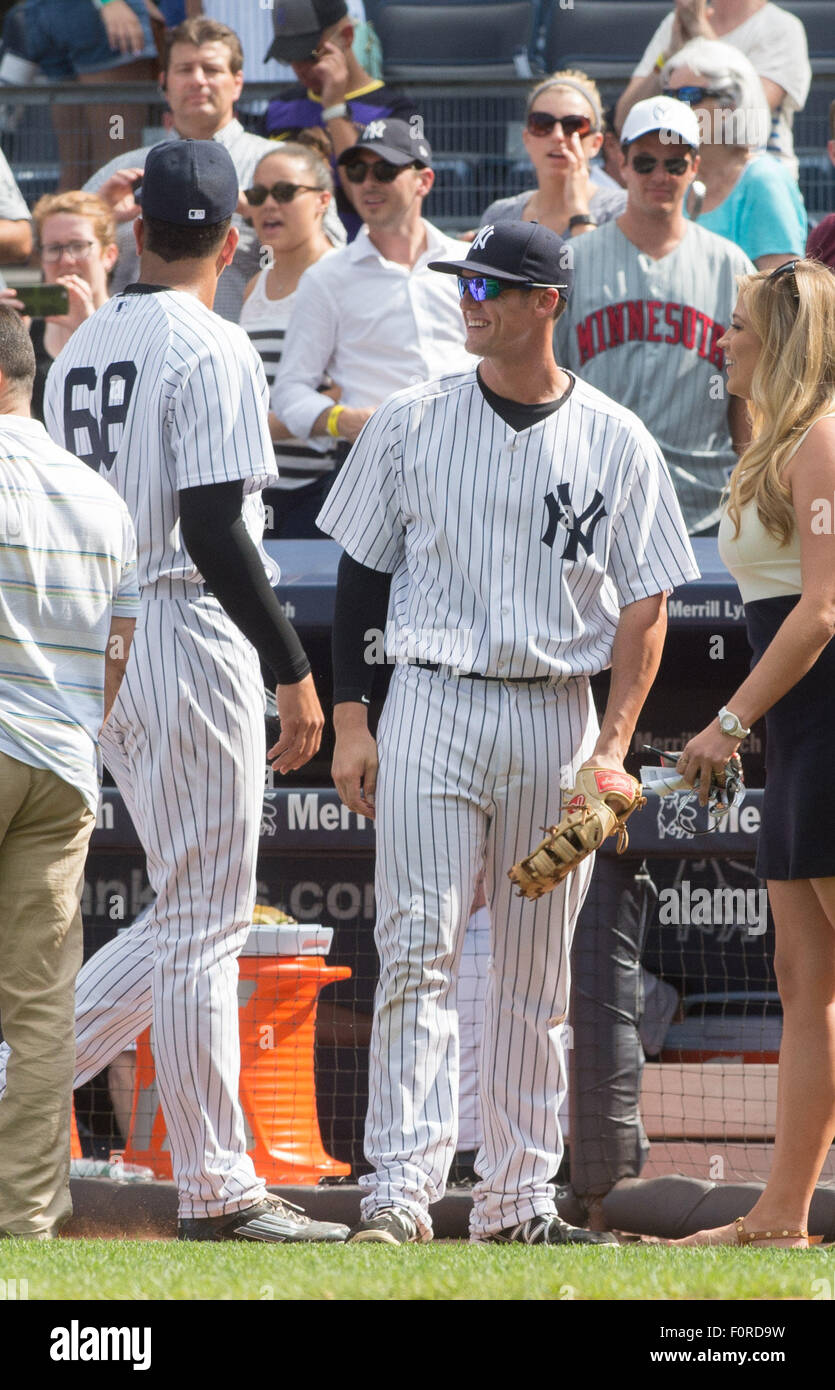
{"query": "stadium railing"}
[(475, 129)]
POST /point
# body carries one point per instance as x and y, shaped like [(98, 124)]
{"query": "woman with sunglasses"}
[(750, 197), (563, 132), (776, 537), (291, 190), (77, 239)]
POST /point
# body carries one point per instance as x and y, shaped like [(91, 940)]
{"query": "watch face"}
[(727, 724)]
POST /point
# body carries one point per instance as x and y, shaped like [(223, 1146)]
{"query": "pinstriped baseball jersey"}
[(645, 331), (161, 394), (194, 414), (528, 542)]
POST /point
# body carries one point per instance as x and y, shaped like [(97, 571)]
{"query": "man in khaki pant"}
[(68, 601)]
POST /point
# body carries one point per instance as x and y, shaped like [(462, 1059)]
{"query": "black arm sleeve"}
[(215, 535), (362, 598)]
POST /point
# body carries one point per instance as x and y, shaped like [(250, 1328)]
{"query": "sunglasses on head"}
[(788, 269), (357, 171), (542, 123), (693, 96), (280, 192), (676, 164)]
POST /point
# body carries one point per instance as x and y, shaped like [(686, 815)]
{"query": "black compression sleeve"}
[(215, 535), (362, 597)]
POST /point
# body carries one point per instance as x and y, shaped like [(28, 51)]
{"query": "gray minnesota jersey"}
[(195, 414), (646, 332)]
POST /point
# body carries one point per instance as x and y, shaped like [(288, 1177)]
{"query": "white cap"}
[(661, 113)]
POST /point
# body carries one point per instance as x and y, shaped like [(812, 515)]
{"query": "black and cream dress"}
[(797, 835)]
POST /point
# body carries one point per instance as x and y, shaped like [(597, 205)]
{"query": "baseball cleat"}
[(391, 1226), (271, 1220), (550, 1230)]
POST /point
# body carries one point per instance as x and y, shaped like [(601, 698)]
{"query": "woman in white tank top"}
[(776, 537), (290, 192)]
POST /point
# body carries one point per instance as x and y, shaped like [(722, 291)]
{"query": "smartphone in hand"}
[(42, 301)]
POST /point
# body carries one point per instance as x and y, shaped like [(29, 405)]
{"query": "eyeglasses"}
[(788, 269), (357, 171), (645, 163), (79, 250), (280, 192), (481, 287), (542, 123), (692, 95)]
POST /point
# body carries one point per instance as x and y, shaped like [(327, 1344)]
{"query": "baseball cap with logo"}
[(298, 26), (662, 113), (188, 181), (525, 253), (397, 142)]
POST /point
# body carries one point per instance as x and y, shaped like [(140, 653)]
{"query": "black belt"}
[(474, 675)]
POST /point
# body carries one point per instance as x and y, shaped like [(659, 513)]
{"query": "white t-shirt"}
[(774, 42)]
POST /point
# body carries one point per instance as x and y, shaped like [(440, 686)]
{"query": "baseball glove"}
[(599, 805)]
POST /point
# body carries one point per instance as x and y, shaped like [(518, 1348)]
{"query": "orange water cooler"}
[(281, 972)]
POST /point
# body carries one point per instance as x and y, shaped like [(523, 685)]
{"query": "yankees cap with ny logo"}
[(397, 142), (523, 253)]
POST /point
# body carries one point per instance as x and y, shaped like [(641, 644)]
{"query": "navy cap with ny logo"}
[(525, 253), (188, 182)]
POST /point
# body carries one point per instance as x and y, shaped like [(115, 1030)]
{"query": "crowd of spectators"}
[(330, 274)]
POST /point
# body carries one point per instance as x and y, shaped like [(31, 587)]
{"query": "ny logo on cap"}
[(196, 214), (375, 130), (481, 238)]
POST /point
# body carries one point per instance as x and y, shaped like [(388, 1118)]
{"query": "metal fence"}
[(475, 131)]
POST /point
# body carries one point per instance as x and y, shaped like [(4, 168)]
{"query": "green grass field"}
[(110, 1269)]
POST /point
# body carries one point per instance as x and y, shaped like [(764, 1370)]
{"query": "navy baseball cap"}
[(397, 142), (298, 26), (524, 253), (188, 182)]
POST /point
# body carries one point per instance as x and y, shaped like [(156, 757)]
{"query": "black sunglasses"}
[(693, 96), (542, 123), (645, 163), (788, 269), (280, 192), (357, 171)]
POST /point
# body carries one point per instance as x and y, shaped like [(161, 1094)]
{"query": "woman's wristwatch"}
[(731, 724)]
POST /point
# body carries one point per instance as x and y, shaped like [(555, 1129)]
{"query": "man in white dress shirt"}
[(373, 316)]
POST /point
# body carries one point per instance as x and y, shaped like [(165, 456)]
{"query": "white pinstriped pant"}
[(186, 747), (469, 773)]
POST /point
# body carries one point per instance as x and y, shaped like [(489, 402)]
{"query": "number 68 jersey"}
[(158, 393)]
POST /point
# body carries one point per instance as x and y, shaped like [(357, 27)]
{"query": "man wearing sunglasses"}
[(520, 531), (653, 294), (372, 317)]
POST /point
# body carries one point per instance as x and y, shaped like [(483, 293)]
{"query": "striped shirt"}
[(646, 331), (511, 553), (299, 461), (67, 567), (163, 394)]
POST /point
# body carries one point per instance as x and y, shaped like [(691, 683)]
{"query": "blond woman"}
[(77, 248), (776, 539), (563, 132)]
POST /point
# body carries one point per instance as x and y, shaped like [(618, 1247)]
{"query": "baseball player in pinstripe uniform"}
[(522, 529), (169, 401), (652, 296)]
